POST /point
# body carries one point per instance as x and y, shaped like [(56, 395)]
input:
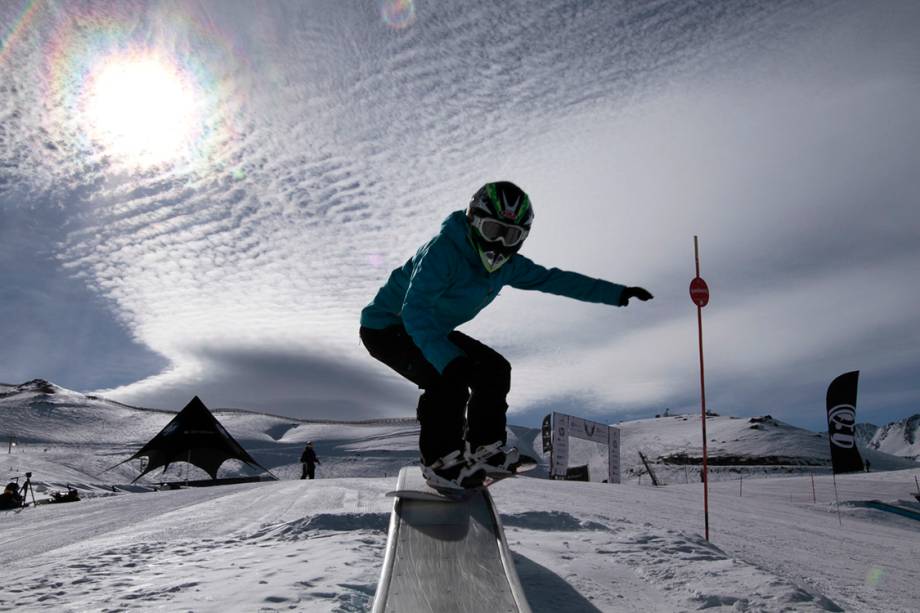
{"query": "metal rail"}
[(446, 556)]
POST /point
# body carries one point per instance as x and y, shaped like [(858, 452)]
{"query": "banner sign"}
[(565, 426), (841, 423), (547, 434), (560, 459), (613, 454)]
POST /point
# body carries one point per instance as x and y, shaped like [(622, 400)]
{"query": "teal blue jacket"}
[(445, 285)]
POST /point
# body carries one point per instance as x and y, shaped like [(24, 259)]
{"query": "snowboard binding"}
[(453, 474), (495, 459)]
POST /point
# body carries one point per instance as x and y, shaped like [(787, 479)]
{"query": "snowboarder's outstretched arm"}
[(525, 274)]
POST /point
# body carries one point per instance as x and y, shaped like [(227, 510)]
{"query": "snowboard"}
[(412, 486)]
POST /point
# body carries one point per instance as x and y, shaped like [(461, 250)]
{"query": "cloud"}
[(797, 179), (782, 133), (53, 327), (302, 382)]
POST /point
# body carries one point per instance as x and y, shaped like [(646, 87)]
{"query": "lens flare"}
[(398, 14), (10, 34), (129, 89), (874, 576), (142, 109)]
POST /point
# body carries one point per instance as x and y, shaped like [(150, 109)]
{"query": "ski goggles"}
[(492, 230)]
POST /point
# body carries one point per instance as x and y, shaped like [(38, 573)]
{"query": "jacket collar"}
[(457, 229)]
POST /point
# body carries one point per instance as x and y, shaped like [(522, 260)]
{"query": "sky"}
[(198, 198)]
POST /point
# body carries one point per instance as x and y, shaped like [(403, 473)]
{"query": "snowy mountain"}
[(775, 546), (757, 441), (864, 433), (900, 438), (41, 412), (755, 445), (80, 439)]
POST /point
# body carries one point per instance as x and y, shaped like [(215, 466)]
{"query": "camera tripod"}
[(27, 489)]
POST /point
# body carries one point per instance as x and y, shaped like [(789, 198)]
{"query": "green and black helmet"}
[(500, 216)]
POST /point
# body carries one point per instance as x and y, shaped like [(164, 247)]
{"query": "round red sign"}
[(699, 292)]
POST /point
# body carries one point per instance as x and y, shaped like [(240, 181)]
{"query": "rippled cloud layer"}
[(220, 187)]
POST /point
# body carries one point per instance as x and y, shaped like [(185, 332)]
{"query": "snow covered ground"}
[(578, 547), (775, 543)]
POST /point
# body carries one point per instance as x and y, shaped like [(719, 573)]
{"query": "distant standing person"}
[(309, 460)]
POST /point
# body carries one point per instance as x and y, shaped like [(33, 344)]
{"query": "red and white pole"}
[(699, 293)]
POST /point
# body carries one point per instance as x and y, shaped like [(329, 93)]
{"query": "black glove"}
[(634, 292), (459, 371)]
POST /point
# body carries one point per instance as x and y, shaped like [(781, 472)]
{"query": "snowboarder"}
[(410, 326), (309, 460)]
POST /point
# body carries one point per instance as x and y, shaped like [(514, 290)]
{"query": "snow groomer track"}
[(446, 556)]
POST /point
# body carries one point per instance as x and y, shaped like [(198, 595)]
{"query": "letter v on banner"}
[(565, 427)]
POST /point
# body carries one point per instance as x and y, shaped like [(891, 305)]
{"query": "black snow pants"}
[(448, 413)]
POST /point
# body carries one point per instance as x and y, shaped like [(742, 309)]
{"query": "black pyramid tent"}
[(194, 436)]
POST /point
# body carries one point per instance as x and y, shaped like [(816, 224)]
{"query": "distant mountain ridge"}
[(865, 432), (900, 438), (80, 437), (65, 436)]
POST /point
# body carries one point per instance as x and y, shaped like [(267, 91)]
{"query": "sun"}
[(143, 111)]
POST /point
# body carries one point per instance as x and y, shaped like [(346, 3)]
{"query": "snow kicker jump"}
[(446, 556)]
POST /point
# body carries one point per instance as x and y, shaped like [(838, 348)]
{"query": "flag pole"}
[(837, 498), (699, 321)]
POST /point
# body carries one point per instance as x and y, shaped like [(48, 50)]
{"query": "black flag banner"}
[(841, 423), (547, 434)]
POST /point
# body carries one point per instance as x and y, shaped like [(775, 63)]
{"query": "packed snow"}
[(777, 543)]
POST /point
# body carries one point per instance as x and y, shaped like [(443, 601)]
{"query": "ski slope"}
[(577, 547), (775, 544)]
